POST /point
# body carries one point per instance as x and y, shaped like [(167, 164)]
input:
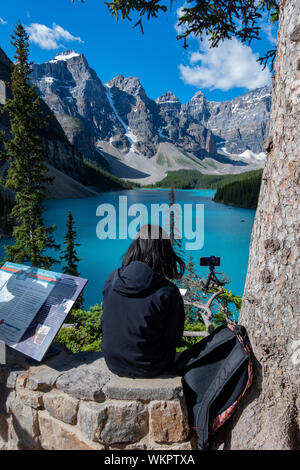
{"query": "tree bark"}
[(269, 415)]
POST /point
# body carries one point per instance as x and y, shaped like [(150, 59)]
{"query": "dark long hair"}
[(152, 246)]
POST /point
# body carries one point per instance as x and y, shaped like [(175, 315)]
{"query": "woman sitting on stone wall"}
[(143, 311)]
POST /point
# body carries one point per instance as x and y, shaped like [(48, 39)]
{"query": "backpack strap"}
[(236, 358), (220, 419), (189, 358)]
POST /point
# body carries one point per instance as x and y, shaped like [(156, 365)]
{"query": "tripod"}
[(206, 308)]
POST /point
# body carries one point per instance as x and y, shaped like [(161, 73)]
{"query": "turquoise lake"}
[(227, 232)]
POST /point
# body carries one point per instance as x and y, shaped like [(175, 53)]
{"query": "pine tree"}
[(175, 236), (190, 267), (69, 254), (194, 285), (5, 208), (188, 282), (172, 219), (26, 174)]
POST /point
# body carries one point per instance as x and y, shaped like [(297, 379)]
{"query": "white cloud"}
[(48, 38), (179, 12), (271, 33), (231, 64), (270, 29), (2, 21)]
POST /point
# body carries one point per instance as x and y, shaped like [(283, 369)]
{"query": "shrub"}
[(86, 334), (188, 341)]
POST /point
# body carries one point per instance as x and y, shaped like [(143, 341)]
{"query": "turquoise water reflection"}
[(227, 232)]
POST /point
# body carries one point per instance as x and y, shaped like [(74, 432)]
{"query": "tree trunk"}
[(269, 416)]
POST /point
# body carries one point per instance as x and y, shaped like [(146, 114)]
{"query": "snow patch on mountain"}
[(49, 79), (129, 125), (64, 56), (128, 133), (168, 101), (225, 150), (248, 154)]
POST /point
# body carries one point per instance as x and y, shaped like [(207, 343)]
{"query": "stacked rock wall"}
[(73, 402)]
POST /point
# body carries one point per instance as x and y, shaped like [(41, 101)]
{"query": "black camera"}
[(210, 261)]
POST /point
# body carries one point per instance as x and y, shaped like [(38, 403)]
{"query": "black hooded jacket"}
[(142, 321)]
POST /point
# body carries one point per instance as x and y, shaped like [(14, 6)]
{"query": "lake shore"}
[(224, 234)]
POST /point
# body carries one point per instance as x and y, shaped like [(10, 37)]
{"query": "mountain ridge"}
[(117, 117), (73, 178)]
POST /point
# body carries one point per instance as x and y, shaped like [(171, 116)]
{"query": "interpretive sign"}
[(33, 305)]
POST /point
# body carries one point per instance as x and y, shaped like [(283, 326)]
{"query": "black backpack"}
[(217, 371)]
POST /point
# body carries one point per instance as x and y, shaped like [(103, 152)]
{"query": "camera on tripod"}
[(211, 261)]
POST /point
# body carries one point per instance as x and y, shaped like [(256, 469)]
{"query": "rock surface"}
[(78, 99), (73, 402), (239, 124), (168, 422), (73, 178), (102, 119)]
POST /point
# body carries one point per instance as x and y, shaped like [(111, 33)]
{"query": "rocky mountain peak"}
[(199, 96), (65, 55), (167, 97), (121, 119), (4, 60), (75, 94), (130, 85), (116, 81)]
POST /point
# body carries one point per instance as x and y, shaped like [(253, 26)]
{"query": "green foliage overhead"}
[(219, 19)]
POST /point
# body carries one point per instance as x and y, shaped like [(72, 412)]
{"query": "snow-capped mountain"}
[(72, 177), (239, 124), (118, 123)]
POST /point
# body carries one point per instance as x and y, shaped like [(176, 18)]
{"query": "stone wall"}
[(73, 402)]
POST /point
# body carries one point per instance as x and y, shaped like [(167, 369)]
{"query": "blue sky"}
[(157, 58)]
